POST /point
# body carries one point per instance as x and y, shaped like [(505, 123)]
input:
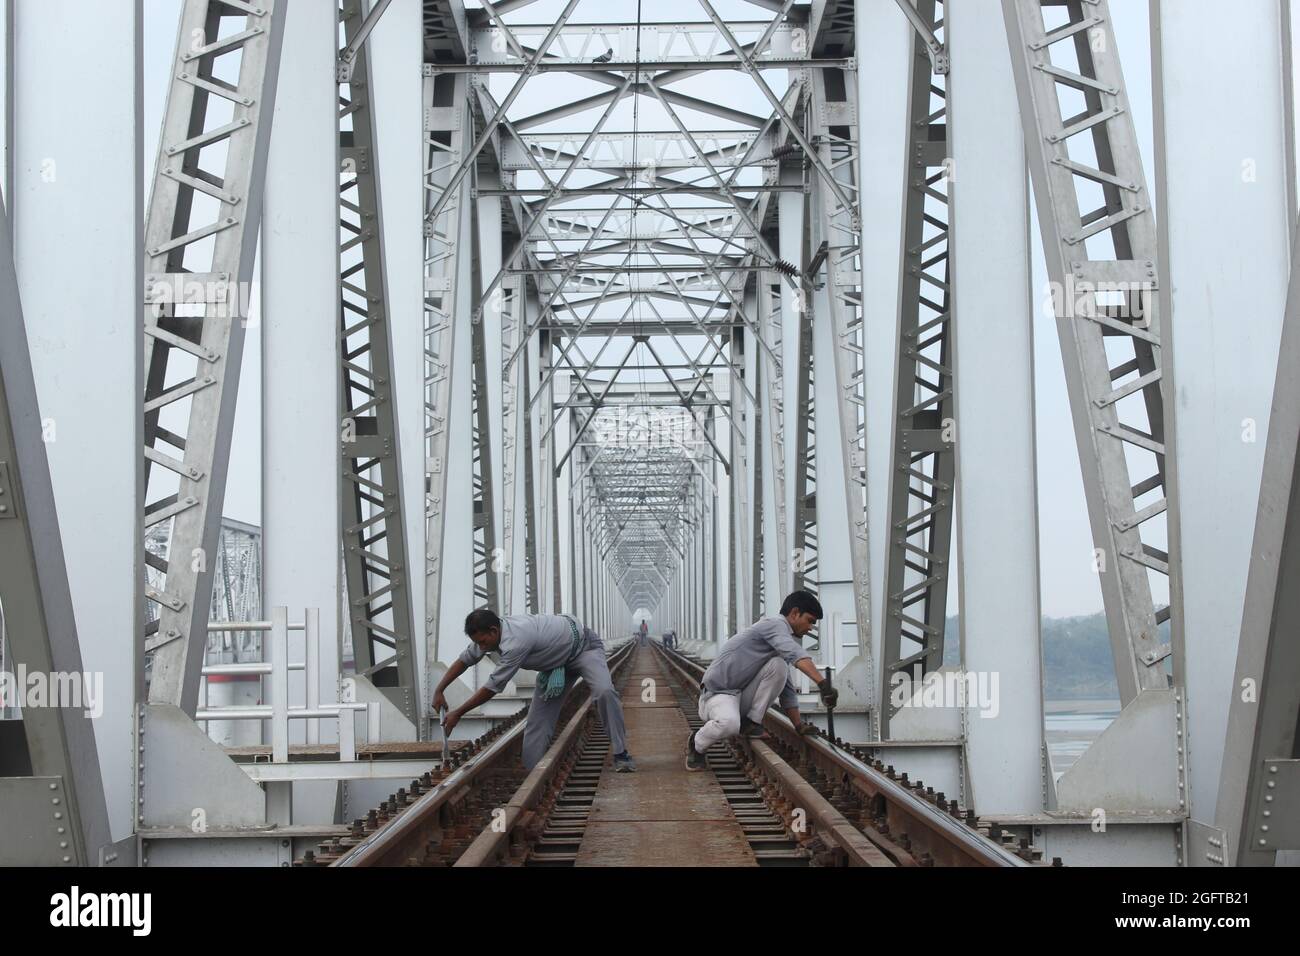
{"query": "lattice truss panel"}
[(643, 483), (1099, 235), (922, 480), (834, 265), (638, 164), (200, 233), (374, 533)]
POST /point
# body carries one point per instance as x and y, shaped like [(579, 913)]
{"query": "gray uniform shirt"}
[(535, 642), (744, 655)]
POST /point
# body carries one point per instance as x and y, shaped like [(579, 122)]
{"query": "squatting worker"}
[(751, 672), (560, 650)]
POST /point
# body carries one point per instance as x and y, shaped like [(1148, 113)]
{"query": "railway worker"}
[(752, 672), (560, 650)]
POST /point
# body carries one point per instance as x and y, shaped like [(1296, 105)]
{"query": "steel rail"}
[(494, 843), (512, 837), (391, 844), (949, 840), (829, 823)]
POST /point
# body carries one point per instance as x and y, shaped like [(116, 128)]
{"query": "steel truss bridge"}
[(649, 318)]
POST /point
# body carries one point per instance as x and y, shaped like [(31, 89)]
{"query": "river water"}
[(1072, 725)]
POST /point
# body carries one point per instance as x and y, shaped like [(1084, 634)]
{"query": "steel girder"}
[(576, 535), (806, 567), (769, 317), (446, 35), (836, 236), (487, 555), (514, 422), (572, 224), (922, 490), (1259, 788), (200, 235), (686, 231), (741, 518), (757, 559), (447, 128), (532, 586), (548, 543), (615, 152), (709, 544), (644, 501), (1099, 238), (370, 495), (51, 791), (597, 47)]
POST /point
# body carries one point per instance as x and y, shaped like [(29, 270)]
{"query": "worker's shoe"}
[(623, 763), (753, 730), (694, 759)]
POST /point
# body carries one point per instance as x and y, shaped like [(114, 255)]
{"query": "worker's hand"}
[(451, 720), (808, 730), (439, 702), (830, 696)]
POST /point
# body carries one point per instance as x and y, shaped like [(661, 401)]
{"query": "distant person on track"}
[(644, 633), (560, 650), (752, 672)]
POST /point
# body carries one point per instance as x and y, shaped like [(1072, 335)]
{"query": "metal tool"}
[(830, 712), (445, 755)]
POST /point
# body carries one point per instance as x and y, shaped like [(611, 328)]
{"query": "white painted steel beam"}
[(300, 428), (882, 108), (997, 523), (76, 162), (396, 57), (1224, 303)]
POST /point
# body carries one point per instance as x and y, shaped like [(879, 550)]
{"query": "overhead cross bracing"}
[(639, 166), (645, 483), (666, 311)]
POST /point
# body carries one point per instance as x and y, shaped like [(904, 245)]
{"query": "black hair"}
[(484, 619), (803, 601)]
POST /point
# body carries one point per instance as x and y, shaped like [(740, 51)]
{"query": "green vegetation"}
[(1076, 657)]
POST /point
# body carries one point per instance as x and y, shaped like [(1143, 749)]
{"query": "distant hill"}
[(1076, 657)]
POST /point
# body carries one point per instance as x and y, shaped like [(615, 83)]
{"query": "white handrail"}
[(277, 668)]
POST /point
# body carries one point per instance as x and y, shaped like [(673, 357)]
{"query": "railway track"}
[(793, 800)]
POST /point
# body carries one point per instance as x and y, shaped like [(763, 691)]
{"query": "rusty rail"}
[(907, 824), (412, 825), (826, 821), (497, 840), (845, 808)]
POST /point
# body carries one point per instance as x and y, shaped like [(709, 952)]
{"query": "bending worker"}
[(560, 650), (751, 672)]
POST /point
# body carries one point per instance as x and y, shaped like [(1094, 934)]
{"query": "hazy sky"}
[(1068, 584)]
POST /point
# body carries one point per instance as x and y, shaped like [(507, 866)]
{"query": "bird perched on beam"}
[(604, 57)]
